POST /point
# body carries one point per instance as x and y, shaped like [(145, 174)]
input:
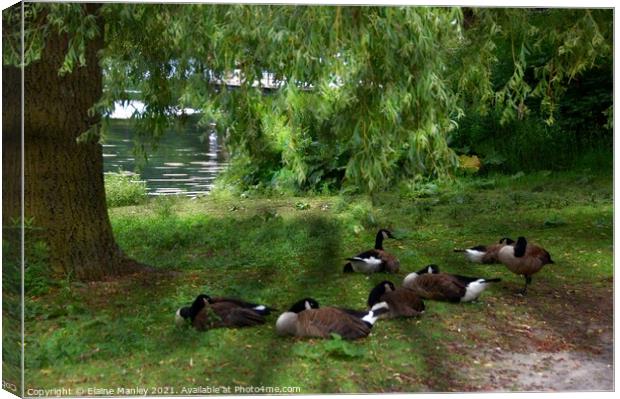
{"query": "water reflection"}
[(181, 164)]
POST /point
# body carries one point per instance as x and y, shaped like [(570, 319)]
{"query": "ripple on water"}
[(168, 190), (183, 164), (170, 180), (204, 163)]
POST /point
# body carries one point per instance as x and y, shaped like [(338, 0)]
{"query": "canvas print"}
[(229, 199)]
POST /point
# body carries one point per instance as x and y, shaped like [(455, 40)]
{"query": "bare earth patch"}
[(555, 348), (549, 371)]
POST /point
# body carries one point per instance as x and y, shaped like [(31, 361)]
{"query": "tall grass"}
[(124, 188)]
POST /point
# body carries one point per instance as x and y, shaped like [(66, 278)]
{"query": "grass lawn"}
[(276, 250)]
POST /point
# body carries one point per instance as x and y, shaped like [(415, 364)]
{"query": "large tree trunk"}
[(64, 190)]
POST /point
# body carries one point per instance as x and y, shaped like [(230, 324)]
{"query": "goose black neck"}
[(520, 246), (379, 241), (375, 295), (197, 306)]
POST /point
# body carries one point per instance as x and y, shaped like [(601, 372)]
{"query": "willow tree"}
[(359, 95), (63, 167)]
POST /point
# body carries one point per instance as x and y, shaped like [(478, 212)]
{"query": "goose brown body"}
[(323, 322), (402, 302), (440, 287), (486, 254), (490, 253), (533, 259), (389, 263), (430, 283), (376, 259), (524, 259), (306, 319), (226, 314), (206, 313)]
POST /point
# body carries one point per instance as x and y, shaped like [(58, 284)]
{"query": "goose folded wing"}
[(325, 321), (355, 313), (464, 280), (390, 262), (440, 286), (491, 252), (539, 254), (207, 318), (240, 317), (261, 309), (234, 301), (369, 255), (480, 248), (404, 302)]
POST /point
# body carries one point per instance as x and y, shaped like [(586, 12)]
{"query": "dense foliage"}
[(358, 97), (562, 117)]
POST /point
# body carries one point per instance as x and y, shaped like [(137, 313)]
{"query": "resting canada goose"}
[(374, 260), (485, 253), (306, 319), (206, 313), (430, 283), (524, 258), (402, 302)]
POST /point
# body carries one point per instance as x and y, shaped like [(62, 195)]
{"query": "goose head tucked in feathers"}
[(189, 312), (430, 269)]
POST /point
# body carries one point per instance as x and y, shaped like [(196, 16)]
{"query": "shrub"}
[(124, 188)]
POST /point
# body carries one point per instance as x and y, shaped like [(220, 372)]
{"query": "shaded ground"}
[(549, 371), (566, 350), (277, 250)]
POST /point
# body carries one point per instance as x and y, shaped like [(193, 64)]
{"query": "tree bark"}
[(63, 189)]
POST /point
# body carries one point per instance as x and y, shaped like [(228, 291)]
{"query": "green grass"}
[(124, 188), (276, 250)]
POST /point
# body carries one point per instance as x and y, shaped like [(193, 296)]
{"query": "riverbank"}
[(275, 250)]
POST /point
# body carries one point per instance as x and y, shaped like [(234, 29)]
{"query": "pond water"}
[(186, 161)]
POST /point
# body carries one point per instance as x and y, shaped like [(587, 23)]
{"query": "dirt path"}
[(549, 371), (545, 371), (565, 345)]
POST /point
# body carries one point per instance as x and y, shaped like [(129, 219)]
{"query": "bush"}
[(124, 188), (581, 136)]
